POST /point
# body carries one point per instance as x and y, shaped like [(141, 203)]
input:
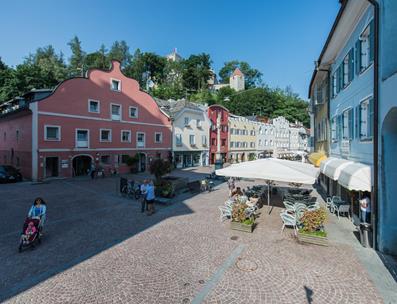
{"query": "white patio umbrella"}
[(273, 170)]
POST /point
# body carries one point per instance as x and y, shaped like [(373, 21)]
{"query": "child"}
[(30, 230)]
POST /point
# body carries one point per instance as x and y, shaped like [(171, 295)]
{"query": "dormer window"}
[(115, 85)]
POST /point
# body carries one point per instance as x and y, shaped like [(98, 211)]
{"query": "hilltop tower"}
[(237, 80)]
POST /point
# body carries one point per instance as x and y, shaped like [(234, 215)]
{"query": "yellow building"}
[(242, 139)]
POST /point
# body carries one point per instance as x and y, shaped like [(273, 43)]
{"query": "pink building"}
[(98, 119)]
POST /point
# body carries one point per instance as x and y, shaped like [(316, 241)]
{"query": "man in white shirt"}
[(365, 208)]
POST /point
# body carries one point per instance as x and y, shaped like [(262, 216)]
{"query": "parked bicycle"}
[(130, 188)]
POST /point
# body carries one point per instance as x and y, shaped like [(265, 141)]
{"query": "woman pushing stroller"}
[(33, 225)]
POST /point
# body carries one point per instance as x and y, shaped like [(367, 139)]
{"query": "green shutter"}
[(341, 86), (370, 121), (357, 121), (371, 40), (337, 75), (351, 65), (332, 86), (358, 57), (351, 124)]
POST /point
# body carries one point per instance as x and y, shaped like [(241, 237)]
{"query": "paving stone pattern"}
[(99, 248)]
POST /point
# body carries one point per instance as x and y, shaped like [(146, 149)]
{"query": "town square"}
[(253, 163)]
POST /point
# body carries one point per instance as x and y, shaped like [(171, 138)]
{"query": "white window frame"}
[(144, 139), (111, 85), (365, 48), (346, 124), (121, 136), (334, 133), (88, 138), (345, 65), (178, 139), (129, 112), (100, 135), (52, 126), (161, 137), (111, 112), (89, 106), (204, 141), (190, 139)]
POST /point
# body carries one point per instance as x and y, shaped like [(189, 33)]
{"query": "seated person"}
[(30, 230), (237, 192)]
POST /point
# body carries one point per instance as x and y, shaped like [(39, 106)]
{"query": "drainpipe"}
[(375, 191)]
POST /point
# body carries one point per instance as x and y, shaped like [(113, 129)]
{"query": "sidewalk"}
[(381, 268)]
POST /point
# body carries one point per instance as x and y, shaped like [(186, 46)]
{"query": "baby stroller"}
[(30, 239)]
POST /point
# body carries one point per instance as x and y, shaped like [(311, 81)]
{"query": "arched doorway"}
[(142, 162), (81, 165), (388, 205)]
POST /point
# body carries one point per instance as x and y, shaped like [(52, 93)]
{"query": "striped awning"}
[(316, 158)]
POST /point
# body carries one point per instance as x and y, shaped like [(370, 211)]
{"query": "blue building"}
[(358, 64), (387, 127)]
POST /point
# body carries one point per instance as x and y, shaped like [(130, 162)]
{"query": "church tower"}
[(237, 81)]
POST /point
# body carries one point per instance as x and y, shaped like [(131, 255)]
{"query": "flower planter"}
[(242, 227), (312, 239)]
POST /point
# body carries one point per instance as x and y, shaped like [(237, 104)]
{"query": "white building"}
[(190, 132), (236, 82), (265, 142)]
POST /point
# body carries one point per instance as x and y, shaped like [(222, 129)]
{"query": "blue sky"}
[(281, 38)]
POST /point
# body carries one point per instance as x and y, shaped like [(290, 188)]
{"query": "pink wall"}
[(21, 146)]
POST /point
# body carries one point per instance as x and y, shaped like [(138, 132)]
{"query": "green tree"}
[(76, 61), (120, 51), (98, 59), (7, 82), (253, 77), (197, 72)]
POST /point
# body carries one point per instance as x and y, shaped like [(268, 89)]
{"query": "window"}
[(105, 159), (223, 142), (82, 138), (178, 139), (232, 144), (52, 133), (140, 139), (347, 124), (366, 119), (204, 140), (271, 142), (133, 112), (116, 112), (115, 85), (365, 48), (265, 142), (125, 136), (17, 135), (213, 141), (231, 131), (105, 135), (252, 144), (187, 120), (93, 106), (192, 140), (345, 65), (158, 137), (260, 143), (198, 123)]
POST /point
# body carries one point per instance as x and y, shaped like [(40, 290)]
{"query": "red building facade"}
[(100, 119), (218, 115)]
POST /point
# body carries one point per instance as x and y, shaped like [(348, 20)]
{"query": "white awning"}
[(357, 177), (274, 170), (332, 167)]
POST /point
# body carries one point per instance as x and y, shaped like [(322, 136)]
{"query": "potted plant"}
[(312, 230), (240, 220)]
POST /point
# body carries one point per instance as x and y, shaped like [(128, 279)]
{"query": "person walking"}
[(144, 196), (150, 196), (365, 208)]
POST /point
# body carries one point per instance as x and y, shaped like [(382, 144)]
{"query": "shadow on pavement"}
[(84, 218)]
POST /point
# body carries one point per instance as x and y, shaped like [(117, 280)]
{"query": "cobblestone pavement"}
[(99, 248)]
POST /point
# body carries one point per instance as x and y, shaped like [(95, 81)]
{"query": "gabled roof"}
[(237, 72)]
